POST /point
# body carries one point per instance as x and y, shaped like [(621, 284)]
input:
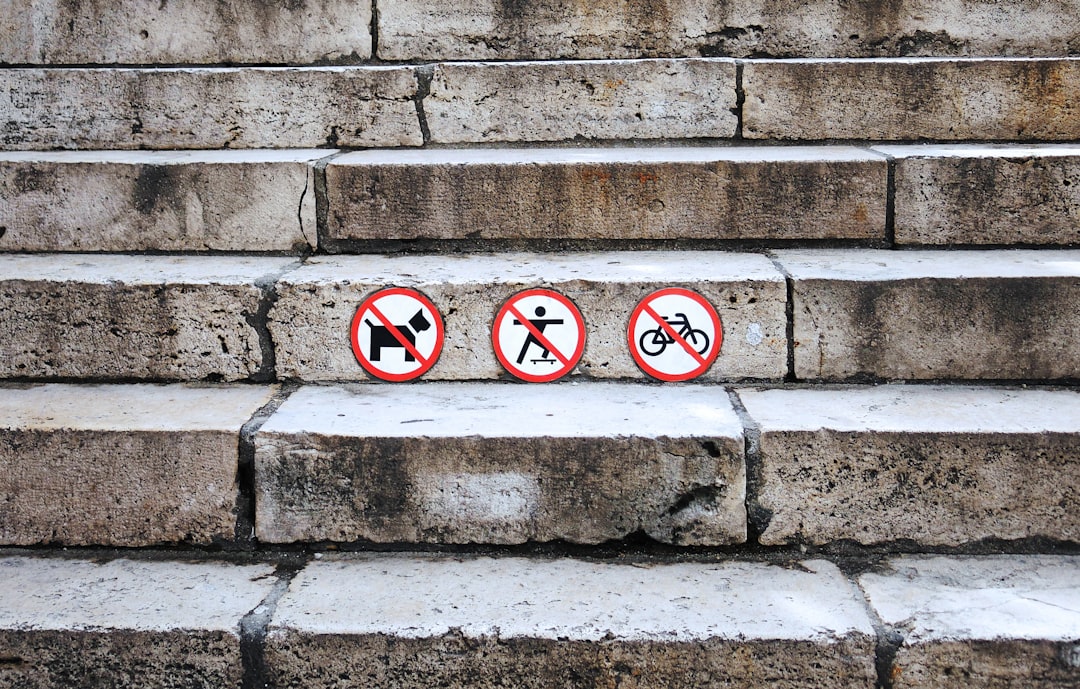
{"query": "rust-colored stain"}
[(860, 215), (594, 175), (895, 672), (646, 177)]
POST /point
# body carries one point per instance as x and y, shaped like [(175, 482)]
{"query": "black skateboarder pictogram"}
[(381, 337), (540, 322)]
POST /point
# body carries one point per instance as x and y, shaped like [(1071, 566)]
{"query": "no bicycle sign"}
[(675, 334), (397, 334), (538, 335)]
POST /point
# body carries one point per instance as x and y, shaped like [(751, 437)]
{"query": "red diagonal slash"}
[(672, 333), (544, 342), (397, 334)]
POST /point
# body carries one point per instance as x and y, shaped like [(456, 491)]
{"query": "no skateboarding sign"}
[(397, 334), (539, 335), (675, 334)]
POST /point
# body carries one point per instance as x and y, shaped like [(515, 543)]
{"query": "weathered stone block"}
[(184, 32), (405, 622), (559, 101), (165, 201), (483, 463), (121, 465), (73, 623), (316, 303), (911, 99), (1006, 621), (208, 108), (934, 465), (979, 194), (935, 315), (621, 193), (545, 29), (110, 316)]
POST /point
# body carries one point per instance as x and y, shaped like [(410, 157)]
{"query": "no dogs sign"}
[(538, 335), (397, 334), (675, 334)]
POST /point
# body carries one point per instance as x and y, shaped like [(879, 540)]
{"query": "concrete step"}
[(122, 465), (403, 620), (773, 193), (929, 465), (208, 108), (184, 32), (158, 201), (109, 316), (430, 30), (991, 315)]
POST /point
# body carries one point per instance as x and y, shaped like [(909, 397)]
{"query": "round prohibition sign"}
[(397, 334), (675, 334), (538, 335)]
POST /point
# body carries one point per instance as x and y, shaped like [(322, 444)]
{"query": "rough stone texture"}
[(110, 316), (979, 194), (635, 193), (496, 463), (542, 29), (72, 623), (183, 31), (122, 465), (558, 101), (935, 465), (174, 201), (408, 622), (208, 108), (996, 622), (310, 320), (1002, 315), (910, 99)]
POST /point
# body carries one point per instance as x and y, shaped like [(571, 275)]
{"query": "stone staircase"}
[(873, 485)]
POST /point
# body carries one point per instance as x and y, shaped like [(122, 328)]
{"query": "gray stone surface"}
[(316, 303), (74, 623), (1006, 621), (1002, 315), (166, 201), (609, 193), (111, 316), (183, 32), (208, 108), (935, 465), (497, 463), (560, 101), (394, 621), (542, 29), (121, 465), (985, 194), (912, 99)]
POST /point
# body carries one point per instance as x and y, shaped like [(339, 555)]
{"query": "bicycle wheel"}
[(656, 338), (692, 338)]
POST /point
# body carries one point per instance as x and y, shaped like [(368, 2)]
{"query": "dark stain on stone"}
[(156, 187), (29, 179)]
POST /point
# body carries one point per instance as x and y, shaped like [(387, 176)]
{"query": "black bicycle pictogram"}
[(654, 342)]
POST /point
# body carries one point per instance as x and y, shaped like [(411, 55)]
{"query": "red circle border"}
[(578, 350), (354, 328), (671, 377)]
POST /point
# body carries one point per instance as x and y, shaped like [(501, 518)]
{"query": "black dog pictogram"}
[(381, 337)]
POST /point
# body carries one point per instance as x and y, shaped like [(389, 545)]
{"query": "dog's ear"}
[(419, 322)]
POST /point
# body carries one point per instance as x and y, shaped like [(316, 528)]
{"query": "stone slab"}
[(994, 621), (987, 194), (66, 623), (404, 621), (491, 463), (574, 100), (255, 107), (912, 99), (105, 316), (183, 32), (316, 303), (1000, 315), (929, 464), (121, 465), (546, 29), (609, 193), (157, 200)]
